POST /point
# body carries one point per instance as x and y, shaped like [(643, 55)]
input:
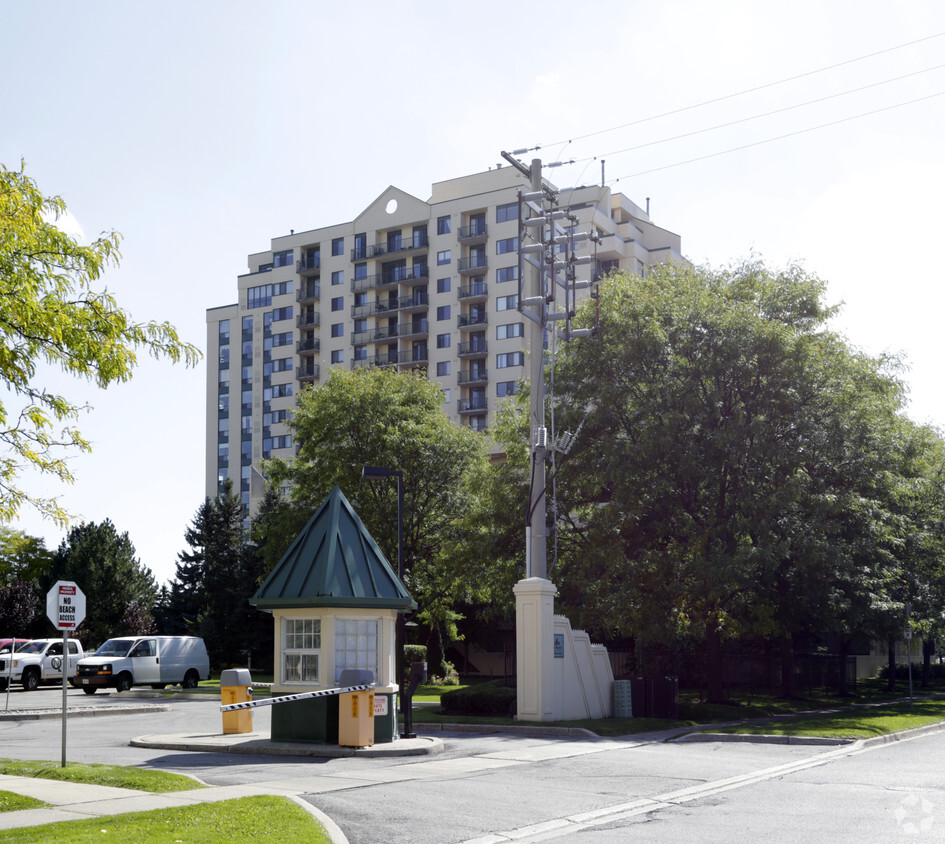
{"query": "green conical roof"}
[(333, 562)]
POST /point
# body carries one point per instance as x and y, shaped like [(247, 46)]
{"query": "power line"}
[(747, 90), (778, 137)]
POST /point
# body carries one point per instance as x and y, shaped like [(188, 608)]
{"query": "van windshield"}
[(115, 647)]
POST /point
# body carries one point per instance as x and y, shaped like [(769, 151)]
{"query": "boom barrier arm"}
[(301, 696)]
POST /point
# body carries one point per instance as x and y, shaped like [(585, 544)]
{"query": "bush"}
[(492, 698), (414, 653), (902, 671), (449, 677)]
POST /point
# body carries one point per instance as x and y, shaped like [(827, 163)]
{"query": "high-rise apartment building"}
[(408, 283)]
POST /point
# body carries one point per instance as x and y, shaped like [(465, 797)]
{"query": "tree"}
[(22, 557), (18, 608), (384, 418), (50, 313), (102, 563), (730, 427)]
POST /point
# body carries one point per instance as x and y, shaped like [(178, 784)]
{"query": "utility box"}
[(356, 710), (236, 687)]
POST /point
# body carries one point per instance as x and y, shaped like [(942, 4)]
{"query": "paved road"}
[(492, 789)]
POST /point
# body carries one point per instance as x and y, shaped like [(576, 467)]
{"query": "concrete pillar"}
[(534, 649)]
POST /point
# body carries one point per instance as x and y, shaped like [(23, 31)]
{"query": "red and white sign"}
[(65, 605), (380, 705)]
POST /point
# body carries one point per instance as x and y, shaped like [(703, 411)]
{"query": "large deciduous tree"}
[(51, 313)]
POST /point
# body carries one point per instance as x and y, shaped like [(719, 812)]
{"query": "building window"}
[(442, 285), (446, 396), (443, 341), (506, 388), (504, 213), (506, 274), (223, 327), (261, 296), (338, 246), (360, 271), (276, 315), (356, 641), (443, 367), (337, 329), (301, 649), (506, 303), (338, 356), (278, 365), (282, 259), (510, 329), (338, 277), (444, 257), (507, 359), (338, 303), (443, 225), (277, 391), (508, 244), (443, 312)]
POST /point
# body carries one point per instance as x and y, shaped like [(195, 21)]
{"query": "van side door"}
[(144, 661)]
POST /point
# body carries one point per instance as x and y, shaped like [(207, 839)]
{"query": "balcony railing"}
[(309, 291), (469, 377), (471, 319), (407, 357), (417, 328), (475, 231), (392, 276), (472, 264), (474, 405), (472, 348), (419, 240), (386, 306), (309, 265), (476, 290), (308, 346), (309, 372), (310, 319)]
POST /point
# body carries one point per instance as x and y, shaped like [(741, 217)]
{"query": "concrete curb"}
[(761, 739), (82, 712)]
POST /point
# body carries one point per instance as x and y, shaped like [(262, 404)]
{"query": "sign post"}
[(65, 607)]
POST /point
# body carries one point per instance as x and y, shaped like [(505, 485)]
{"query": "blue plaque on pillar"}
[(559, 645)]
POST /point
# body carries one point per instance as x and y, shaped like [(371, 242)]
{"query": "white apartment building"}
[(408, 283)]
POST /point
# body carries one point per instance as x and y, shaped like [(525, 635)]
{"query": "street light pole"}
[(383, 472)]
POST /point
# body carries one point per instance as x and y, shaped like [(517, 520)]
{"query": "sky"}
[(808, 132)]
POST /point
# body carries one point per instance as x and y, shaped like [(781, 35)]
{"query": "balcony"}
[(399, 246), (473, 377), (408, 357), (308, 372), (413, 302), (417, 328), (477, 404), (309, 320), (476, 290), (308, 346), (390, 277), (309, 266), (473, 319), (472, 264), (474, 233), (309, 291), (473, 348)]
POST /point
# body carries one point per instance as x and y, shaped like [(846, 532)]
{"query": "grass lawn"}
[(10, 802), (140, 779), (263, 817)]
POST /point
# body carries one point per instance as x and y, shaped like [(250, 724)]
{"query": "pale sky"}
[(202, 130)]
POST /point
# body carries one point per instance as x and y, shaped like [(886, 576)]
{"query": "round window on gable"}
[(392, 206)]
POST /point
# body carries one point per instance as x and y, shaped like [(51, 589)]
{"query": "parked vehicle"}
[(7, 645), (155, 661), (38, 662)]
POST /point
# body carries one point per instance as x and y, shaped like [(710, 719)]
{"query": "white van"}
[(155, 661)]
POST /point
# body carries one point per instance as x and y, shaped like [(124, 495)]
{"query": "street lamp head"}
[(379, 472)]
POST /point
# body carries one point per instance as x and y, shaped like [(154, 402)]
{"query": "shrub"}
[(414, 653), (449, 677), (491, 698)]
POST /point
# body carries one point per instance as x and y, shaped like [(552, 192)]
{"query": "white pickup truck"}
[(37, 662)]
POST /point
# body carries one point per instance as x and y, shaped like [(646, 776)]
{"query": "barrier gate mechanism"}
[(364, 687)]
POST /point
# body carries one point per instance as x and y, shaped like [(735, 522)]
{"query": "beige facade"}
[(408, 283)]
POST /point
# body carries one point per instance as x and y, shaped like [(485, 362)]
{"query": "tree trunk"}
[(787, 667), (891, 665), (928, 648), (713, 664)]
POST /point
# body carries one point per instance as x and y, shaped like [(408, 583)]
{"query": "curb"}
[(89, 712), (762, 739), (259, 744)]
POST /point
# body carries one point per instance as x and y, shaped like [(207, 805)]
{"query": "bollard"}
[(235, 687)]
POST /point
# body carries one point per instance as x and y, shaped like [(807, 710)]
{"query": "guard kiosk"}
[(334, 600)]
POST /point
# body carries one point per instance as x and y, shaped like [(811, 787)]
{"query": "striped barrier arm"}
[(300, 696)]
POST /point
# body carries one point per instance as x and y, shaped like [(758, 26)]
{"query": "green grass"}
[(140, 779), (263, 817), (10, 802)]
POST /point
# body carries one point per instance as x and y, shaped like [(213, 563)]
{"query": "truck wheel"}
[(124, 682), (191, 679), (90, 690), (3, 684), (31, 680)]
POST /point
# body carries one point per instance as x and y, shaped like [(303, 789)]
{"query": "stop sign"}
[(65, 605)]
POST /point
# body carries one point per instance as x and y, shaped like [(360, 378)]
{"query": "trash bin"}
[(236, 687), (356, 710)]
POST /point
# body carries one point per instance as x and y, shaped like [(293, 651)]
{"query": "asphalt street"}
[(498, 788)]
